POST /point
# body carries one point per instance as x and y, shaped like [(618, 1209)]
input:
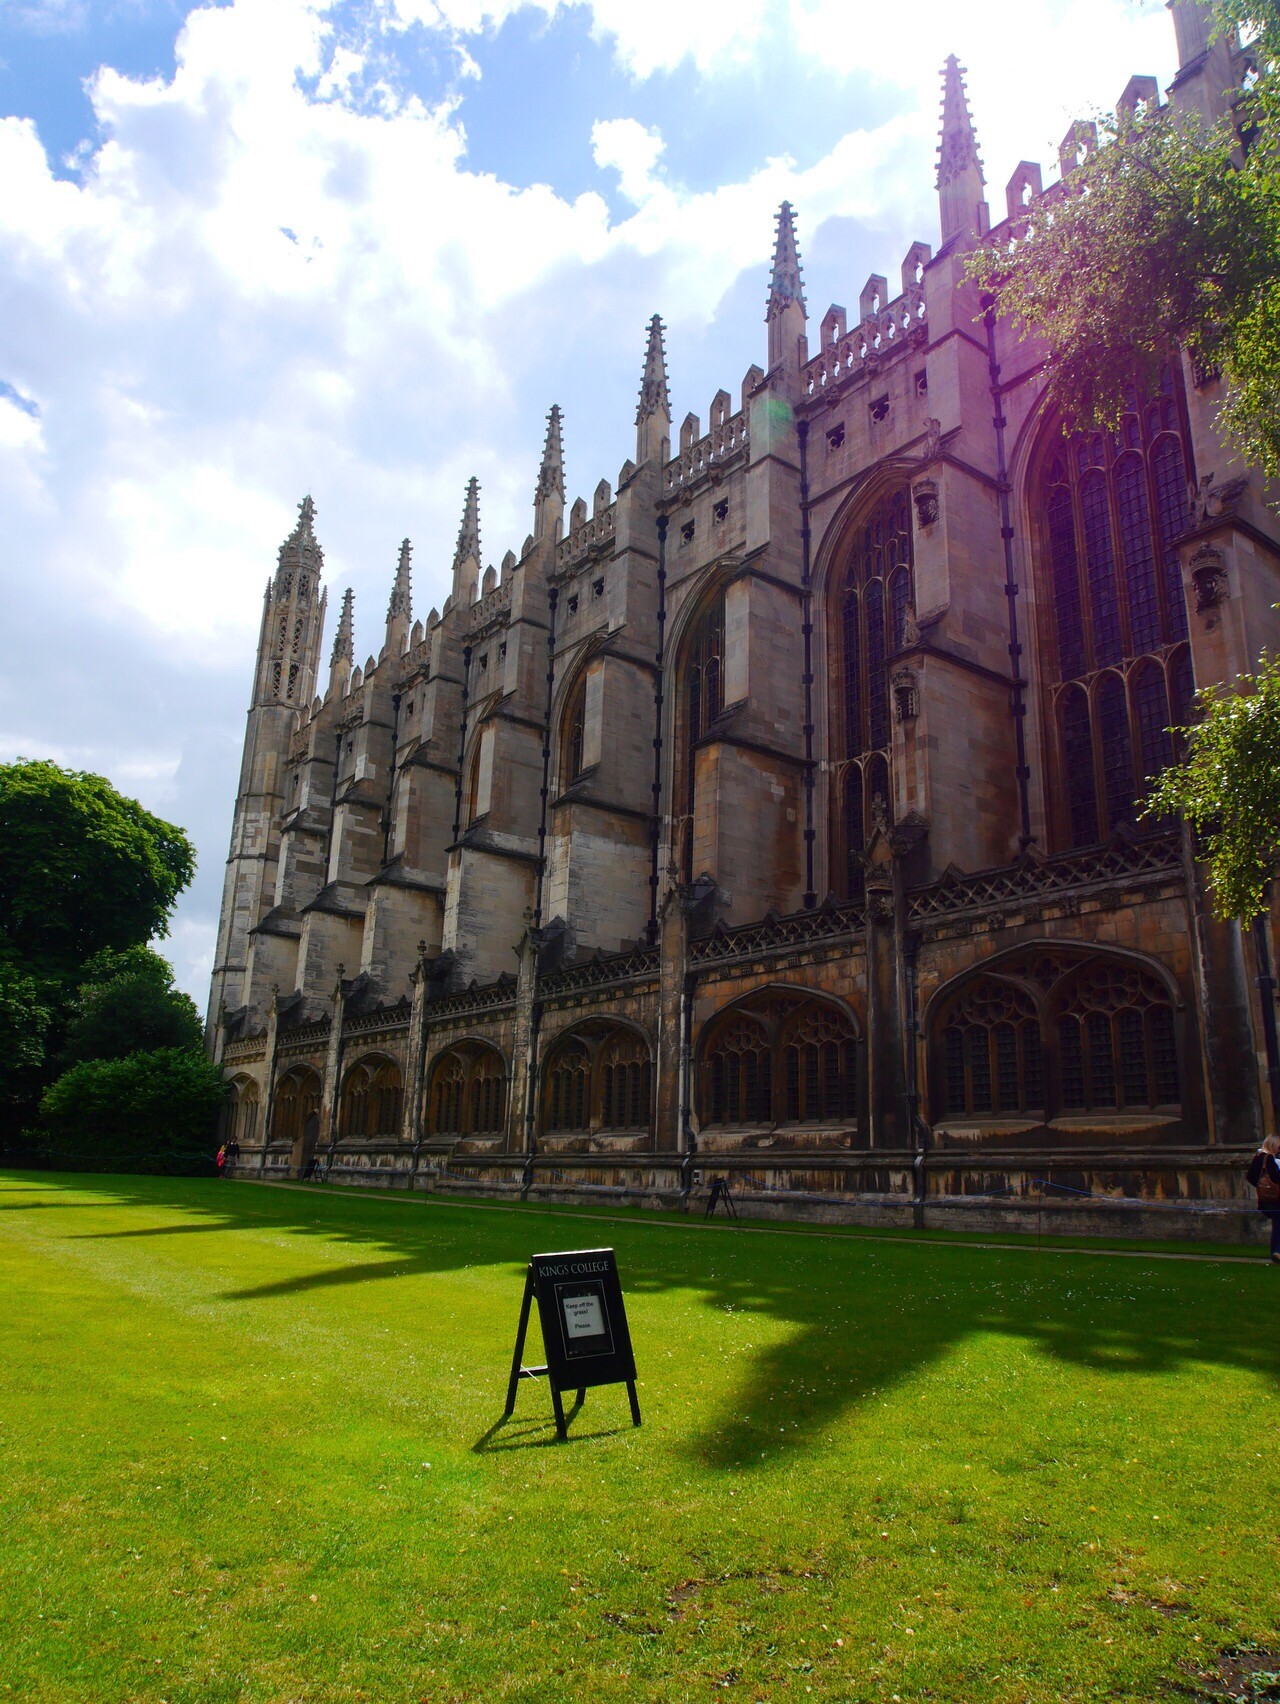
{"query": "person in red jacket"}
[(1264, 1175)]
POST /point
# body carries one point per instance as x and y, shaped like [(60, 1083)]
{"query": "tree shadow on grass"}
[(861, 1316)]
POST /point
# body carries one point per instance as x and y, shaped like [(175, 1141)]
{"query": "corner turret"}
[(289, 647)]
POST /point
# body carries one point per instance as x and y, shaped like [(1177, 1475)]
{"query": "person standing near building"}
[(1264, 1174)]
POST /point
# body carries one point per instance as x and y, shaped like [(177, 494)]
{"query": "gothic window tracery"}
[(868, 622), (467, 1090), (702, 700), (372, 1099), (771, 1060), (1115, 618), (297, 1096), (571, 756), (1040, 1036), (599, 1076)]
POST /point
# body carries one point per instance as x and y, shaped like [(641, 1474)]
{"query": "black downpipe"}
[(656, 830), (462, 743), (391, 779), (802, 432), (1017, 694), (1267, 997), (553, 597)]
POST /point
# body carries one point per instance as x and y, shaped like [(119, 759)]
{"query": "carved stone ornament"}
[(906, 695), (1209, 576), (925, 495), (1214, 502), (880, 904)]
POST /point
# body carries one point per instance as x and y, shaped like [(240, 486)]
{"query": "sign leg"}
[(635, 1402), (561, 1429), (514, 1381)]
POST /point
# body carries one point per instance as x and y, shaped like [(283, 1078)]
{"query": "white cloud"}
[(632, 151)]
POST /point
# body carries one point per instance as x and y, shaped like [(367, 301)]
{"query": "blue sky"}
[(271, 246)]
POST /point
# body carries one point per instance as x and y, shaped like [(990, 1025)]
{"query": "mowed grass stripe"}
[(1058, 1476)]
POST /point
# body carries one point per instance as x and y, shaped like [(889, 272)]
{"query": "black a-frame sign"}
[(584, 1328)]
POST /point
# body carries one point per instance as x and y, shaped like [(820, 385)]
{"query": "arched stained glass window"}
[(771, 1060), (597, 1077), (1117, 756), (1113, 504), (1077, 766), (1139, 559), (1151, 720), (1035, 1037), (1116, 1040), (467, 1091), (1104, 604), (575, 715), (702, 681), (868, 619), (1066, 582)]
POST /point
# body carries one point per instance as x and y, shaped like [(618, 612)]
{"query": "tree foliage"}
[(1167, 234), (1229, 789), (127, 1003), (153, 1111), (81, 867), (24, 1023)]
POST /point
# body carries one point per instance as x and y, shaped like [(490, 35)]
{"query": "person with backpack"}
[(1264, 1175)]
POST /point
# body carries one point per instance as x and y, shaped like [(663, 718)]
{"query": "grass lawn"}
[(249, 1453)]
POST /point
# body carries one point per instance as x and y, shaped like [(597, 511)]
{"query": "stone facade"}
[(774, 816)]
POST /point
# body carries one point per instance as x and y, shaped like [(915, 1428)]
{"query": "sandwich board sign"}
[(584, 1328)]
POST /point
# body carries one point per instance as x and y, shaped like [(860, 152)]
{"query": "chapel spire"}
[(548, 499), (785, 312), (962, 206), (653, 416), (301, 549), (466, 554), (289, 645)]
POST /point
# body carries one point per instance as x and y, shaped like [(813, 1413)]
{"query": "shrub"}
[(153, 1111)]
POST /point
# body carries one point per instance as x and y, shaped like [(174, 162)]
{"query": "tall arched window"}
[(702, 700), (597, 1077), (779, 1058), (867, 620), (573, 741), (466, 1091), (1115, 618)]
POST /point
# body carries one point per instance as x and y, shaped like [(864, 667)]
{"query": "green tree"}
[(127, 1003), (154, 1111), (1167, 235), (24, 1023), (1229, 789), (81, 867)]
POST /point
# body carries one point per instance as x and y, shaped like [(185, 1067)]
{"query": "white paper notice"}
[(583, 1316)]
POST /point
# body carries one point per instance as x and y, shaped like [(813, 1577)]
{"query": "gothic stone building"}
[(777, 816)]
